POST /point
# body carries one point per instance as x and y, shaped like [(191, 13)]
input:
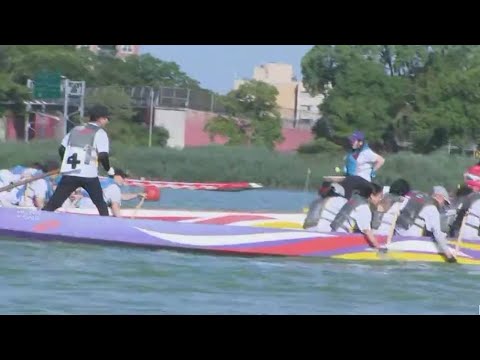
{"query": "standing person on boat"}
[(361, 164), (361, 160), (81, 150), (112, 193), (356, 215), (323, 210), (421, 217)]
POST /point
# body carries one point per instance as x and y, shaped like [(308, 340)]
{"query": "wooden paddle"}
[(29, 180), (138, 207), (460, 233), (334, 178)]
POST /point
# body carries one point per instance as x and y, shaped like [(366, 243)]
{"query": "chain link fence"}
[(202, 100)]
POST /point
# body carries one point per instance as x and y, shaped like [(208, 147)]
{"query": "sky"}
[(216, 66)]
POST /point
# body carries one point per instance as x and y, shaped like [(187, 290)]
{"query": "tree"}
[(122, 128), (426, 94), (252, 116)]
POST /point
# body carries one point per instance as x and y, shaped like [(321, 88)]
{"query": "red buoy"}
[(153, 193)]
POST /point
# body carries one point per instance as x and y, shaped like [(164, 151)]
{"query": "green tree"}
[(251, 116), (121, 127)]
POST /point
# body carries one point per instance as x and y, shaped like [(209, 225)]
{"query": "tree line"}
[(18, 63), (403, 96)]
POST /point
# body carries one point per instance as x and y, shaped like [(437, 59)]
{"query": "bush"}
[(319, 146), (237, 163)]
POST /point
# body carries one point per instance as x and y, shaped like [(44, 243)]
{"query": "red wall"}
[(195, 136), (294, 138)]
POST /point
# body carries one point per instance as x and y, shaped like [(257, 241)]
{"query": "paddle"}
[(134, 214), (29, 180), (460, 233)]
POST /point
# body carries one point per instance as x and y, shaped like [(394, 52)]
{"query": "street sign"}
[(76, 88), (47, 85)]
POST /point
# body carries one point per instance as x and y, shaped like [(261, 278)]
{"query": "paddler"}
[(323, 210), (361, 160), (394, 199), (469, 206), (35, 193), (7, 198), (356, 215), (112, 192), (461, 204), (421, 217)]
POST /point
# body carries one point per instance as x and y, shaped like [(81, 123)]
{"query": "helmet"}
[(472, 177)]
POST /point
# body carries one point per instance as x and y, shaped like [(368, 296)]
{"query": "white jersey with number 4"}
[(82, 146)]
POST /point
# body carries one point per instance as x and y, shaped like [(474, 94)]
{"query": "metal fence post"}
[(151, 119)]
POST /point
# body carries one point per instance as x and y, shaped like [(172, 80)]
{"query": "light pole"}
[(150, 131)]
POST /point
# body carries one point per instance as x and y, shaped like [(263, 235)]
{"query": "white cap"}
[(440, 190)]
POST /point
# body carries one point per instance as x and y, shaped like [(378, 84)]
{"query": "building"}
[(118, 50), (295, 104)]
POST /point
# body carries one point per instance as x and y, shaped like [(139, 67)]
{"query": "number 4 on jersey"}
[(73, 160)]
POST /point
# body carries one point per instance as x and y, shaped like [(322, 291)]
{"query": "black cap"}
[(98, 111)]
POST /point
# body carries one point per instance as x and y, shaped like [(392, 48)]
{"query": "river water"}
[(57, 278)]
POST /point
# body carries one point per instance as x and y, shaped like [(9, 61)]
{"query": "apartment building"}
[(118, 50), (294, 102)]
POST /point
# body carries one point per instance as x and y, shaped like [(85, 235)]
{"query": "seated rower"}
[(356, 215), (112, 193), (7, 198), (461, 204), (393, 201), (35, 193), (421, 217), (323, 210), (470, 207)]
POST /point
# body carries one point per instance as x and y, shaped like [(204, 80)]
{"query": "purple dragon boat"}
[(225, 239)]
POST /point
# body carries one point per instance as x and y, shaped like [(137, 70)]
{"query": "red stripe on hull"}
[(305, 246), (228, 219)]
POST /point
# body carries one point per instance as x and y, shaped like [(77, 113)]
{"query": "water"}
[(57, 278)]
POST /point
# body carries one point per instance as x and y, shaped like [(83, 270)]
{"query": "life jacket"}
[(388, 201), (463, 204), (418, 200), (316, 212), (345, 213), (78, 152), (351, 160), (313, 215)]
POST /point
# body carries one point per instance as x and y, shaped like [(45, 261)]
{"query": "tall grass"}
[(222, 163)]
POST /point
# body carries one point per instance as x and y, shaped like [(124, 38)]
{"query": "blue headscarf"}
[(351, 160)]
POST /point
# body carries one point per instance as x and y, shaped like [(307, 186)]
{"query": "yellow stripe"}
[(277, 224), (401, 255), (464, 245)]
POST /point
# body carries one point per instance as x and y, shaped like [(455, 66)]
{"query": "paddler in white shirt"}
[(7, 198), (384, 218), (421, 217), (470, 207), (356, 215), (112, 193), (323, 210)]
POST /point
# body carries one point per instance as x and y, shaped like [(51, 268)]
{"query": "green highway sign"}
[(47, 85)]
